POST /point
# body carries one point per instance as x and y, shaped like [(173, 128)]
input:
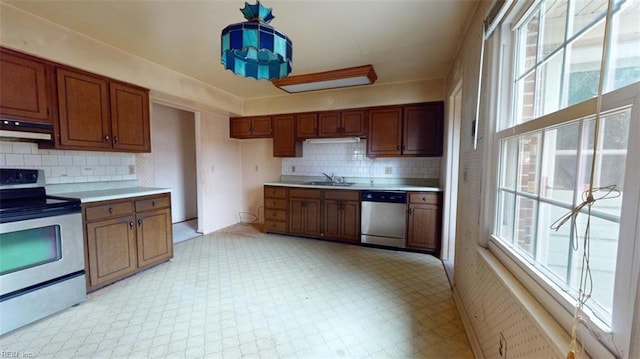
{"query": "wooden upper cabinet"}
[(353, 123), (423, 129), (385, 132), (25, 88), (84, 113), (412, 130), (284, 137), (306, 125), (250, 127), (99, 114), (130, 118), (342, 123)]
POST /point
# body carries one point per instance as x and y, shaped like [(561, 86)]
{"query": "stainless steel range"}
[(41, 250)]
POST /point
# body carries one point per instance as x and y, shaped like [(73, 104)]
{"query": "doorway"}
[(452, 162), (174, 155)]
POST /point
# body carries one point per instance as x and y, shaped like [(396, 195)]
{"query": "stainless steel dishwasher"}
[(384, 218)]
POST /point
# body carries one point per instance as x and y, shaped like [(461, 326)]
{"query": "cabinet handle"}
[(411, 211), (110, 210), (106, 138), (424, 199), (115, 138), (404, 147), (398, 148), (139, 221), (131, 225), (153, 203)]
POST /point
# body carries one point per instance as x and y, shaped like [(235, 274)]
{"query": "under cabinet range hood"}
[(27, 131), (333, 140)]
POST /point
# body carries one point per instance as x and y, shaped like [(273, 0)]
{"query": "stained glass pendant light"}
[(255, 49)]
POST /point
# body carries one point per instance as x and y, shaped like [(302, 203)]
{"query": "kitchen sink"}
[(328, 183)]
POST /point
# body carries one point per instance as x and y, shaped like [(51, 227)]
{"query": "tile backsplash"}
[(69, 166), (350, 160)]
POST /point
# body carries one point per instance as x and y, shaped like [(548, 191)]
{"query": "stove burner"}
[(23, 196)]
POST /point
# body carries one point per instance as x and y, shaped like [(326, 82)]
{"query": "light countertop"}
[(360, 186), (111, 194)]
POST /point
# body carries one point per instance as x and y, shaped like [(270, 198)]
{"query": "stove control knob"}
[(19, 176), (32, 177)]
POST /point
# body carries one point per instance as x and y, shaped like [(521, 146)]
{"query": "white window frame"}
[(597, 339)]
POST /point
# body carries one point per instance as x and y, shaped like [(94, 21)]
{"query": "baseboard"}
[(468, 328)]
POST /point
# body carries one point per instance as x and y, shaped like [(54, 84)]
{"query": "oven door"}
[(35, 251)]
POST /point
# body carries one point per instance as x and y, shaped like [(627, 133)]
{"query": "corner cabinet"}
[(100, 114), (424, 221), (411, 130), (25, 88), (125, 236)]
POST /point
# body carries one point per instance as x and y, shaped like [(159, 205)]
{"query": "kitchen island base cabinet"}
[(424, 218), (125, 236)]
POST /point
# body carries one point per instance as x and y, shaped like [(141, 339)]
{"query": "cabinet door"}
[(83, 102), (350, 227), (296, 215), (130, 118), (284, 137), (24, 88), (239, 127), (261, 127), (154, 234), (385, 132), (423, 129), (312, 217), (332, 220), (306, 126), (353, 123), (328, 124), (111, 246), (424, 227)]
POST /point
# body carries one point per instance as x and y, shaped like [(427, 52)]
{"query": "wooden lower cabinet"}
[(424, 221), (125, 236), (276, 212), (341, 215), (304, 212)]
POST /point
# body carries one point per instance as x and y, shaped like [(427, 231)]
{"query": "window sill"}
[(552, 318)]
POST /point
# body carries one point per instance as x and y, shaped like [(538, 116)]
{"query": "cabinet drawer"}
[(423, 197), (275, 226), (348, 195), (152, 203), (275, 203), (110, 210), (275, 215), (275, 192), (304, 193)]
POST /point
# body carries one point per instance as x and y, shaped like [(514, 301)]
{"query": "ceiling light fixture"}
[(354, 76), (255, 49)]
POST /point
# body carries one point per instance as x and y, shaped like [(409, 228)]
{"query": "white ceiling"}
[(405, 40)]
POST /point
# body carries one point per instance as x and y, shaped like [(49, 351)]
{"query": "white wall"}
[(173, 144)]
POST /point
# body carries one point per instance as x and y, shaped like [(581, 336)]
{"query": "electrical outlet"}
[(257, 168), (132, 169), (502, 349), (293, 169), (388, 170)]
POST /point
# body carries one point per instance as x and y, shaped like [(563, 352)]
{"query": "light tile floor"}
[(240, 293)]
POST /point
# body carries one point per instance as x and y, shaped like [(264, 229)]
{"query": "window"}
[(545, 143)]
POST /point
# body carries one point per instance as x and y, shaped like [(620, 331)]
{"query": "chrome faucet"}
[(331, 178)]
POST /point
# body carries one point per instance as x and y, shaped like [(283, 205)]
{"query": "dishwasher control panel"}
[(383, 196)]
